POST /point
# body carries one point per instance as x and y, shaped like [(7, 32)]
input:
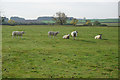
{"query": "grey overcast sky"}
[(31, 9)]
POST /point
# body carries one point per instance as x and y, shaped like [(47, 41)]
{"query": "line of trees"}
[(60, 18)]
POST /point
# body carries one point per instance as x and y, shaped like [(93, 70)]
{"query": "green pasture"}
[(38, 56)]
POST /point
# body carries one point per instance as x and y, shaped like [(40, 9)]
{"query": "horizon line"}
[(53, 16), (59, 1)]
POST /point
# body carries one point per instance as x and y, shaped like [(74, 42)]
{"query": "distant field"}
[(111, 24), (37, 56), (108, 22)]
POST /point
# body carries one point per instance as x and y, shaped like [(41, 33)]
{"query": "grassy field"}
[(37, 56)]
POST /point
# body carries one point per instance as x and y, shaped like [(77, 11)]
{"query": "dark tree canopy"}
[(60, 18), (3, 19), (96, 23)]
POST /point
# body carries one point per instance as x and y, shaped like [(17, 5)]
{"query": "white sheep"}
[(66, 36), (17, 33), (98, 36), (51, 33), (74, 34)]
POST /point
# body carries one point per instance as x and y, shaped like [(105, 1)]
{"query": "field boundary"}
[(0, 51), (61, 79)]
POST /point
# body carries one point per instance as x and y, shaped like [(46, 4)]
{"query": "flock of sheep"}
[(74, 34), (52, 33)]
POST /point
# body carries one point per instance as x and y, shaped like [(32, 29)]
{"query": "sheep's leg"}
[(55, 36), (74, 38), (18, 36), (49, 36), (15, 37), (21, 36)]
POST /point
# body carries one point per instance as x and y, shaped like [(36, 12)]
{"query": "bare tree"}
[(60, 18)]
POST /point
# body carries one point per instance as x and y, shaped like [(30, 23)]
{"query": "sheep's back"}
[(74, 34), (17, 33), (52, 33)]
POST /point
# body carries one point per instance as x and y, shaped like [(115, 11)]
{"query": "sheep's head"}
[(57, 32), (23, 32), (68, 34), (76, 31)]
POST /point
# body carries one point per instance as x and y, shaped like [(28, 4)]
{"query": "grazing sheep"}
[(51, 33), (66, 36), (74, 34), (98, 36), (17, 33)]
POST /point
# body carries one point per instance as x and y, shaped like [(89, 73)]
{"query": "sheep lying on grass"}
[(51, 33), (66, 36), (17, 33), (98, 36), (74, 34)]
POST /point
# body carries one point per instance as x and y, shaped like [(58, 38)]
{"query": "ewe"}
[(51, 33), (66, 36), (98, 36), (17, 33), (74, 34)]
